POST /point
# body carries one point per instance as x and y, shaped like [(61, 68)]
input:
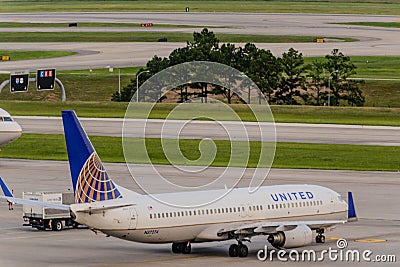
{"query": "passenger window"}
[(151, 217)]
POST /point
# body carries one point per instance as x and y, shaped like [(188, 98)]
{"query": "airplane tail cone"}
[(89, 177)]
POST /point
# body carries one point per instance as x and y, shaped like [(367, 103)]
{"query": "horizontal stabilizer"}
[(4, 187), (92, 209), (36, 203), (9, 196)]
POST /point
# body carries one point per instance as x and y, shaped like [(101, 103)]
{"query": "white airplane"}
[(286, 214), (10, 130)]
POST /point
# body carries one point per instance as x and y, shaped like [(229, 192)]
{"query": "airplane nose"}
[(12, 132)]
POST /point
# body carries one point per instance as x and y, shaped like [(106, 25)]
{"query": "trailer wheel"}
[(56, 225)]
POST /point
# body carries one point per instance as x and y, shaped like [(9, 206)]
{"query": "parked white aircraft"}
[(9, 129), (285, 214)]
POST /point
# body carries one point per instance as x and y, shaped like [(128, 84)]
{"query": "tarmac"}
[(222, 130), (376, 199)]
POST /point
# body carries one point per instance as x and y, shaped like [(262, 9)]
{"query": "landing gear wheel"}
[(243, 251), (320, 239), (233, 250), (186, 247), (176, 248), (56, 225)]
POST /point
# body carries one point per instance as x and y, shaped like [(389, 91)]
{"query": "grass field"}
[(288, 155), (26, 55), (100, 84), (150, 37), (374, 24), (381, 7), (300, 114)]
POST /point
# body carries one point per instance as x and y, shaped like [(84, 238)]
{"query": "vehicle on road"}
[(42, 217)]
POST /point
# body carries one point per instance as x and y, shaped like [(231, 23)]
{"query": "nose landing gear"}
[(320, 238)]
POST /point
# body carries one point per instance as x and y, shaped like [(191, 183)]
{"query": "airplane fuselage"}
[(10, 130), (150, 221)]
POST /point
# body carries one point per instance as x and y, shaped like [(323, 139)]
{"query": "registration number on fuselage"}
[(151, 232)]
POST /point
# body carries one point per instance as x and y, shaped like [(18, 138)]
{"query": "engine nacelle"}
[(297, 237)]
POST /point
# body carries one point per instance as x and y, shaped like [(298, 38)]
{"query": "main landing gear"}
[(320, 238), (182, 247), (239, 250)]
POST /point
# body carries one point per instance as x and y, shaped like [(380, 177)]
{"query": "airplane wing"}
[(9, 197), (273, 227)]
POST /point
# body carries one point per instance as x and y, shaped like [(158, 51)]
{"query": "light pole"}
[(137, 84), (329, 86)]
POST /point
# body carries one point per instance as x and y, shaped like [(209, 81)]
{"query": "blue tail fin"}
[(89, 177), (7, 192), (351, 216)]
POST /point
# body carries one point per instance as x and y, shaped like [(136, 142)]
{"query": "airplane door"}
[(133, 218), (332, 204)]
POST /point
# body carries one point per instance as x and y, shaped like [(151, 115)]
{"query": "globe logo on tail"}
[(93, 182)]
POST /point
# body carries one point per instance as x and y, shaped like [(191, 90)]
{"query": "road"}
[(285, 132), (373, 41), (376, 196)]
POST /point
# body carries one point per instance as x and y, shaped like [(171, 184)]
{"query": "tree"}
[(340, 68), (316, 84), (204, 46), (292, 80)]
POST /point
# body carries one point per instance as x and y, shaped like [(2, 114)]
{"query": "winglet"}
[(6, 190), (351, 216)]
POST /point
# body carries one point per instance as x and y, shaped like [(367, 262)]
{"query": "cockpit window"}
[(7, 119), (340, 198)]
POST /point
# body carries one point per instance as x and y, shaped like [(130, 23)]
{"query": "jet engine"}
[(301, 235)]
